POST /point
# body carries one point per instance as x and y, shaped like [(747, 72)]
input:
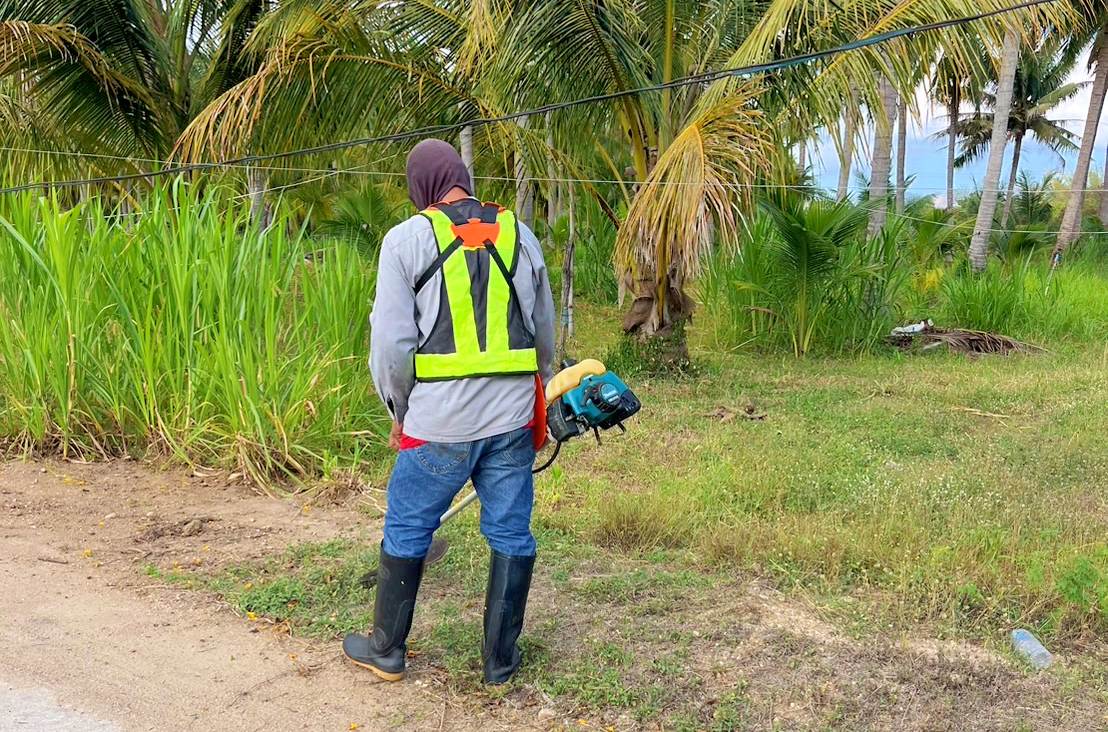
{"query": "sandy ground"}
[(88, 643)]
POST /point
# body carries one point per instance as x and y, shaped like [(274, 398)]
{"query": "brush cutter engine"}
[(587, 397)]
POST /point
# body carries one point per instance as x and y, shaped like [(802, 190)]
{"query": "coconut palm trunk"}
[(846, 156), (1103, 208), (901, 143), (979, 244), (465, 147), (952, 145), (882, 156), (525, 201), (1071, 219), (1017, 148)]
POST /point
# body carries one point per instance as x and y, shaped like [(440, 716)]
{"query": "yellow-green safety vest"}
[(480, 328)]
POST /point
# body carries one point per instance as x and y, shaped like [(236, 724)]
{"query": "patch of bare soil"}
[(748, 657), (84, 622)]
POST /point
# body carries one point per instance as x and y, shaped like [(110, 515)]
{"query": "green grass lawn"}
[(968, 491), (930, 496)]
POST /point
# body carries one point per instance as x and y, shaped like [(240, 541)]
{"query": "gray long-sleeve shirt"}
[(466, 409)]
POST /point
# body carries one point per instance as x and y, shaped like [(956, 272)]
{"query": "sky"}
[(926, 157)]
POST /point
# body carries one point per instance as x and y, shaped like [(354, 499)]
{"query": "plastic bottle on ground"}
[(1028, 647)]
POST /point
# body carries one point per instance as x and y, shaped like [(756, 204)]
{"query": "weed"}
[(313, 588), (641, 522), (660, 355)]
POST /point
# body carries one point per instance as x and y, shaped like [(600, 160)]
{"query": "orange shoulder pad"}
[(475, 232)]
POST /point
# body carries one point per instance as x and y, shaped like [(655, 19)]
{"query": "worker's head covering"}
[(434, 167)]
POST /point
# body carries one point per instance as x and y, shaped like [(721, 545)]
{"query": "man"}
[(462, 327)]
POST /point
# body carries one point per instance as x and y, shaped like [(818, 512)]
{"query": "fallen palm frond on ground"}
[(961, 341)]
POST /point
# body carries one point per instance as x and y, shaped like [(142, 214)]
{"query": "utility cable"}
[(703, 78), (359, 170)]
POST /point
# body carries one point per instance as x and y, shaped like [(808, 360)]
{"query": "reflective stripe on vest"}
[(470, 274)]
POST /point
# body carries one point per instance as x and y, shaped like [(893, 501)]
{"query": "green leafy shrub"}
[(805, 277)]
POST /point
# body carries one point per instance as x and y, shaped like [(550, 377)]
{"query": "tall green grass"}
[(1024, 299), (594, 274), (804, 278), (183, 332)]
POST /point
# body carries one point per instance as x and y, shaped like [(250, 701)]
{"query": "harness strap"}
[(500, 264), (436, 265), (489, 214)]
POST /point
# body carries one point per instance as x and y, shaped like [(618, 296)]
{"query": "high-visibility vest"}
[(480, 329)]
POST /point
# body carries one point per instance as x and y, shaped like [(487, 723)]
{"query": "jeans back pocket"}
[(442, 457)]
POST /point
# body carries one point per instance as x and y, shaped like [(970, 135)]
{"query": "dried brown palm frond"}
[(962, 341)]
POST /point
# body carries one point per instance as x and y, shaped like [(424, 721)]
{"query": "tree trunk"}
[(465, 147), (846, 156), (1016, 149), (255, 187), (952, 145), (1071, 219), (553, 187), (901, 152), (567, 280), (1103, 209), (882, 157), (979, 244), (802, 157)]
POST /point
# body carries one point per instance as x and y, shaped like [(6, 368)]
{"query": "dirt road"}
[(88, 643)]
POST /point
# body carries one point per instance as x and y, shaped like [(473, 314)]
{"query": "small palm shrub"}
[(361, 216), (804, 276)]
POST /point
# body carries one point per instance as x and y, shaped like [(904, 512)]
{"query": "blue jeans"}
[(426, 479)]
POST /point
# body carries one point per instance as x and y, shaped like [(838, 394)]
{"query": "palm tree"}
[(121, 77), (951, 83), (946, 89), (901, 151), (250, 77), (845, 148), (883, 118), (1098, 59), (1039, 87), (1009, 60)]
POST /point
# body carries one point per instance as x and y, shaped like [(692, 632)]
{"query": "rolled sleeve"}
[(394, 334)]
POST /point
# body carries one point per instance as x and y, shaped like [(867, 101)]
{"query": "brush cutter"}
[(582, 397)]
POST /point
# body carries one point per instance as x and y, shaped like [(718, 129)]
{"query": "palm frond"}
[(699, 185)]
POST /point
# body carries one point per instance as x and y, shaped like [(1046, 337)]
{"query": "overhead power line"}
[(703, 78)]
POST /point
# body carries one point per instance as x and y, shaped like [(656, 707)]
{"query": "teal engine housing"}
[(597, 403)]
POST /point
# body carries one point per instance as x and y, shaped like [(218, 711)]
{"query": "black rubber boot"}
[(505, 603), (383, 651)]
